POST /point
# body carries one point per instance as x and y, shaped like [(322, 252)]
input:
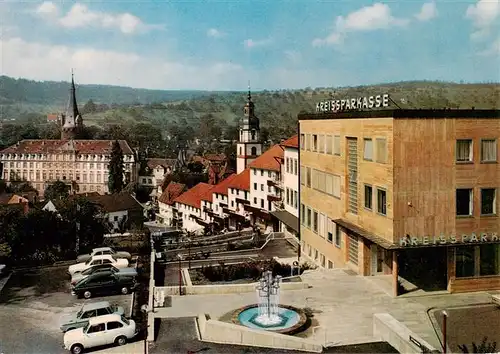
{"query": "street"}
[(32, 305)]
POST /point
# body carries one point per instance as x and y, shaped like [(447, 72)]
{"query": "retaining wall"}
[(228, 333), (387, 328), (220, 289)]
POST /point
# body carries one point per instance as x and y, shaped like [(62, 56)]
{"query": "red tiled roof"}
[(215, 157), (241, 181), (192, 197), (270, 160), (172, 191), (292, 142), (42, 146), (222, 187), (51, 117), (207, 194)]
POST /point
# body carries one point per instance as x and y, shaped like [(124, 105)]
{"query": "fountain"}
[(268, 314)]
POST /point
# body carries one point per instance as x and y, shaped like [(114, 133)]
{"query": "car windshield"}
[(87, 271), (124, 320), (80, 313), (114, 258), (85, 329), (89, 260)]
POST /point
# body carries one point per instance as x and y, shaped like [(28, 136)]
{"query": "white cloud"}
[(375, 17), (24, 59), (493, 50), (252, 43), (215, 33), (427, 12), (80, 15), (47, 8), (483, 13)]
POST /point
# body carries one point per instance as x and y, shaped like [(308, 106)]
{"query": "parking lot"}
[(32, 305)]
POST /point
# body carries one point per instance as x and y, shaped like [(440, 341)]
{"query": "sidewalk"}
[(131, 348)]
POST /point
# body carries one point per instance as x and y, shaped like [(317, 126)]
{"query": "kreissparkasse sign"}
[(464, 239), (366, 102)]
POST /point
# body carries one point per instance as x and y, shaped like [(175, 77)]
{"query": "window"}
[(322, 259), (308, 142), (262, 172), (262, 203), (302, 141), (255, 186), (330, 264), (295, 166), (255, 172), (253, 151), (302, 213), (314, 142), (488, 201), (97, 328), (336, 144), (368, 149), (295, 198), (368, 196), (464, 202), (464, 150), (321, 143), (255, 200), (114, 325), (103, 311), (308, 177), (330, 237), (302, 175), (315, 221), (322, 225), (488, 150), (329, 144), (262, 187), (287, 164), (315, 175), (381, 150), (336, 186), (338, 236), (489, 260), (269, 174), (381, 201), (316, 253), (308, 217), (287, 195), (464, 262)]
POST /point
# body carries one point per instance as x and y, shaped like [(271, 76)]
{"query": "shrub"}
[(249, 270), (484, 347)]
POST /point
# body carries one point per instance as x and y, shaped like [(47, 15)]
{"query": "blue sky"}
[(220, 45)]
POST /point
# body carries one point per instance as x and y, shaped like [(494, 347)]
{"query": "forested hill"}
[(51, 93)]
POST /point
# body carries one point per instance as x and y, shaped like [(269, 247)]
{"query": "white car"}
[(97, 260), (102, 251), (101, 330)]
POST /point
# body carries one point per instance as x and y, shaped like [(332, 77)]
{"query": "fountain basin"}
[(289, 319)]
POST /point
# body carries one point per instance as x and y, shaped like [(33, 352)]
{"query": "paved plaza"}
[(343, 305)]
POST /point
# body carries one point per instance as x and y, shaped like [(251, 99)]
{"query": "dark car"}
[(104, 283), (125, 272)]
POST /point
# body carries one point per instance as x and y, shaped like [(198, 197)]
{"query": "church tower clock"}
[(249, 146)]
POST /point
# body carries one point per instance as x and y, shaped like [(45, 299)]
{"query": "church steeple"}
[(71, 121), (249, 146)]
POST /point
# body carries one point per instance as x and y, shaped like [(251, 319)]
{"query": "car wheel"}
[(124, 290), (77, 349), (87, 294), (122, 340)]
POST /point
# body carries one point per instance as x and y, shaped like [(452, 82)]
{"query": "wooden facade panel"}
[(463, 285), (426, 176)]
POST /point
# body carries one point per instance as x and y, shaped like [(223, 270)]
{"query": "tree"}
[(84, 220), (56, 191), (484, 347), (116, 169), (89, 107)]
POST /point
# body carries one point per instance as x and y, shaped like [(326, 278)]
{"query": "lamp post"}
[(179, 256), (145, 310), (445, 320)]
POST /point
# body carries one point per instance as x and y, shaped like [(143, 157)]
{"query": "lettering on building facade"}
[(452, 239), (368, 102)]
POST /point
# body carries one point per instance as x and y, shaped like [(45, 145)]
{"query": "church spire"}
[(72, 121), (249, 93)]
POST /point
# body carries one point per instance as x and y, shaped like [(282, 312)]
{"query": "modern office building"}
[(403, 194)]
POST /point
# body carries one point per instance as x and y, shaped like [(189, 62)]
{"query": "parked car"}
[(103, 283), (126, 272), (94, 309), (99, 331), (101, 251), (97, 260)]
